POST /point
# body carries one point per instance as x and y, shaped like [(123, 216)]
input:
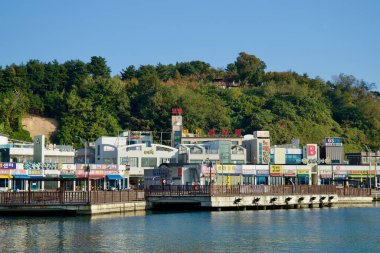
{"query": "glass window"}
[(303, 180), (133, 161), (148, 162), (247, 180), (262, 180), (3, 182)]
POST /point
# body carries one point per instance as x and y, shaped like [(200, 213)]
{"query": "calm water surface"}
[(302, 230)]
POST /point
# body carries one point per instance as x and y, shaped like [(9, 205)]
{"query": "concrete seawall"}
[(199, 202)]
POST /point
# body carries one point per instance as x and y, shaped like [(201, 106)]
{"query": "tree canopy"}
[(88, 102)]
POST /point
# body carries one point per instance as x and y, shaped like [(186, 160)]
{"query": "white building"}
[(141, 156)]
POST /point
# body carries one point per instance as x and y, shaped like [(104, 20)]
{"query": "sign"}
[(311, 152), (41, 166), (276, 170), (206, 170), (289, 173), (5, 172), (262, 172), (19, 172), (226, 169), (248, 170), (149, 152), (336, 141), (303, 172), (266, 152), (35, 172), (8, 165), (261, 134)]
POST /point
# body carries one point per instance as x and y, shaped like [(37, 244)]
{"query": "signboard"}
[(8, 165), (19, 172), (266, 152), (336, 141), (206, 170), (303, 172), (289, 173), (5, 172), (311, 152), (261, 134), (276, 170), (226, 169), (248, 170), (262, 172)]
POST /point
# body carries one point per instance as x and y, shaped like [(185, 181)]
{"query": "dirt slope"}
[(37, 125)]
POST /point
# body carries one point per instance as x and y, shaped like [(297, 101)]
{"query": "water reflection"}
[(302, 230)]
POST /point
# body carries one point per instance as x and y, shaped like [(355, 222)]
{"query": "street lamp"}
[(369, 150)]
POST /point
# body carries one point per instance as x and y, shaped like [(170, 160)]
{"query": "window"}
[(148, 162), (108, 148), (4, 182), (133, 161)]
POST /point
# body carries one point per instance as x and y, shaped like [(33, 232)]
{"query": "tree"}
[(250, 69), (98, 67)]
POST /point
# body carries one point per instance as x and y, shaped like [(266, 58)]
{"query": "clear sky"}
[(321, 38)]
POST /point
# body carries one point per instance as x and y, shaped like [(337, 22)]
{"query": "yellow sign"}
[(198, 131), (276, 170), (303, 172), (228, 180), (228, 169), (185, 131), (148, 152)]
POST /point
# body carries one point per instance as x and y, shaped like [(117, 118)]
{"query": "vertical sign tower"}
[(176, 126)]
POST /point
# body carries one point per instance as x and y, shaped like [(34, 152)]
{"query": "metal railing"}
[(68, 197), (218, 190)]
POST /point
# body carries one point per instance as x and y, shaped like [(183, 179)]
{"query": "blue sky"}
[(321, 38)]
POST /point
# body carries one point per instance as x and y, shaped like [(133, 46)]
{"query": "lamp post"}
[(369, 151), (87, 169)]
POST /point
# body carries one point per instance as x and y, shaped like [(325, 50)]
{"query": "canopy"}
[(6, 176), (114, 177), (68, 176), (21, 176)]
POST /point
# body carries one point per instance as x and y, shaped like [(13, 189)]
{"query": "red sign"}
[(238, 132), (177, 111), (211, 132), (225, 132)]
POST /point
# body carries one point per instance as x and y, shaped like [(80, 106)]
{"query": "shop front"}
[(51, 180), (325, 174), (303, 177), (276, 173), (249, 173), (96, 177), (36, 177), (81, 177), (290, 175), (5, 179), (262, 176), (228, 174)]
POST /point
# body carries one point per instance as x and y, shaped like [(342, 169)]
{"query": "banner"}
[(276, 170), (7, 165)]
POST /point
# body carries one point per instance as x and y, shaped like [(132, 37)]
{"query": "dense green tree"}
[(250, 69)]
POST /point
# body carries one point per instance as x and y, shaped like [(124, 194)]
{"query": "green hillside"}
[(88, 102)]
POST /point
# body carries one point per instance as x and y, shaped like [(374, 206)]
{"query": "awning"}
[(68, 176), (360, 176), (6, 176), (114, 177), (21, 176), (36, 177)]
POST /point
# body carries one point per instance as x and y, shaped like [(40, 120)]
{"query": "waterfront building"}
[(332, 150), (19, 151), (258, 147), (138, 157)]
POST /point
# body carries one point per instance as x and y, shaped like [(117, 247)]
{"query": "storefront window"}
[(3, 183), (148, 162), (303, 180), (262, 180), (247, 179)]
